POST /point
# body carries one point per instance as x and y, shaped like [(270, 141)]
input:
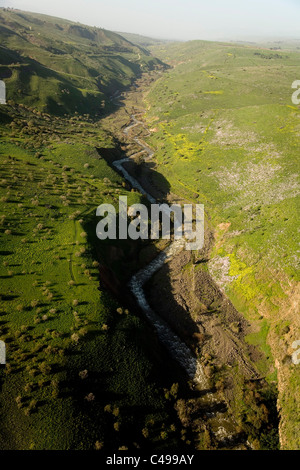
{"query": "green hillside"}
[(80, 365), (81, 369), (143, 41), (85, 369), (60, 67), (226, 134)]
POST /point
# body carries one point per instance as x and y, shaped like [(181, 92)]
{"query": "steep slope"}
[(83, 371), (62, 67), (227, 135)]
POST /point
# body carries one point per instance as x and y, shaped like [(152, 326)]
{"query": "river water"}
[(177, 348), (221, 422)]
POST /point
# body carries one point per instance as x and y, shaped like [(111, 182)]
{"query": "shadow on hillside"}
[(121, 259)]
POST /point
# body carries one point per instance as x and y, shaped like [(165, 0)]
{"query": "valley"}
[(200, 332), (123, 344)]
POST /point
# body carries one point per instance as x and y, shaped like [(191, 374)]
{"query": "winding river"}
[(222, 423), (177, 348)]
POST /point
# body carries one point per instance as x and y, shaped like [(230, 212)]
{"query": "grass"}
[(55, 320), (65, 67), (226, 135), (84, 370)]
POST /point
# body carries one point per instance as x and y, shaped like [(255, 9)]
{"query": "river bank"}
[(212, 349)]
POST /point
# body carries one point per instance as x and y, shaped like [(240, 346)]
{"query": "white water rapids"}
[(177, 348), (222, 424)]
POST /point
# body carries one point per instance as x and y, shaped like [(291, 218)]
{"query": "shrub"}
[(55, 393), (45, 368), (75, 337), (83, 374), (117, 426), (82, 331), (19, 401), (32, 405), (174, 390), (28, 388), (107, 408), (98, 445), (90, 397)]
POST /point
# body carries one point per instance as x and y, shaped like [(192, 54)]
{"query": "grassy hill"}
[(58, 66), (82, 370), (227, 135), (143, 41)]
